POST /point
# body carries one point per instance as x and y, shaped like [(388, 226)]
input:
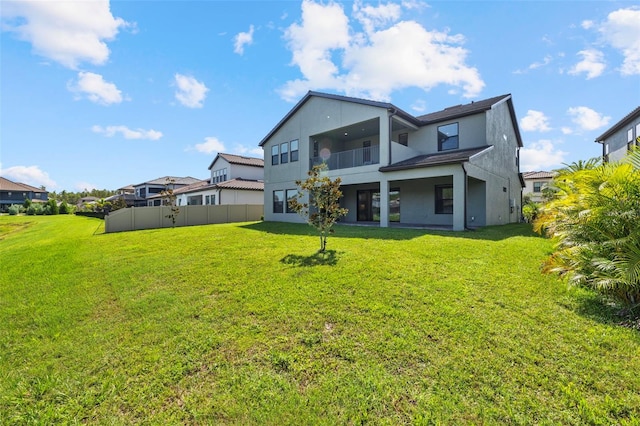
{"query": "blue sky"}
[(100, 94)]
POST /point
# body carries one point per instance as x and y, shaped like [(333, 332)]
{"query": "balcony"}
[(347, 159)]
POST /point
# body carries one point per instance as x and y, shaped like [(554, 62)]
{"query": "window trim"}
[(275, 155), (280, 203), (284, 153), (292, 151), (457, 136), (439, 206)]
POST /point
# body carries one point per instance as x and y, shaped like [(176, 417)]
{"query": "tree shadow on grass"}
[(603, 310), (329, 257)]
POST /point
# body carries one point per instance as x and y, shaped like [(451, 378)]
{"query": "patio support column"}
[(458, 201), (384, 204)]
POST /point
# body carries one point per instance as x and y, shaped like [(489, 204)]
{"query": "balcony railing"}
[(352, 158)]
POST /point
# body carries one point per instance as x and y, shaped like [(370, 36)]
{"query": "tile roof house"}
[(621, 137), (16, 193), (457, 168), (535, 182), (235, 179), (145, 192)]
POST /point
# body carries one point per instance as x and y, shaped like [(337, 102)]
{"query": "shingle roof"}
[(537, 175), (239, 159), (462, 110), (368, 102), (619, 125), (239, 183), (440, 158), (8, 185), (423, 120)]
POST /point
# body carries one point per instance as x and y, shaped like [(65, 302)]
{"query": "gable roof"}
[(8, 185), (537, 175), (310, 94), (239, 160), (449, 113), (437, 159), (619, 125), (176, 181)]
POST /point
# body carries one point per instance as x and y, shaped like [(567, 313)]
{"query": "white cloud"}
[(587, 24), (566, 130), (210, 145), (191, 93), (622, 31), (420, 58), (31, 175), (243, 150), (243, 39), (587, 119), (535, 121), (592, 64), (68, 32), (545, 61), (128, 133), (95, 89), (541, 155)]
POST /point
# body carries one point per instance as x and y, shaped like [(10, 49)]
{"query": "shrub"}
[(594, 219), (14, 209), (64, 208), (52, 207)]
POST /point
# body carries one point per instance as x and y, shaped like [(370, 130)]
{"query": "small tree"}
[(169, 199), (322, 210)]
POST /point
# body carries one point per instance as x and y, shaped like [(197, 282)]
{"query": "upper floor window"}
[(403, 139), (294, 150), (274, 155), (284, 153), (448, 137), (630, 135), (537, 186)]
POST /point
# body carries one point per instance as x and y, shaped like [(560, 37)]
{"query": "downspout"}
[(465, 195), (393, 112)]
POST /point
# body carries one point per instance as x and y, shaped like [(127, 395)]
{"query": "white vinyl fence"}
[(136, 218)]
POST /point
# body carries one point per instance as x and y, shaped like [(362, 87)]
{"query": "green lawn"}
[(242, 324)]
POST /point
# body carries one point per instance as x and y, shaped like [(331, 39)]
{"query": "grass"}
[(246, 324)]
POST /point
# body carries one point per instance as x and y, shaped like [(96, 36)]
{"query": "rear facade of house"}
[(618, 140), (16, 193), (455, 168)]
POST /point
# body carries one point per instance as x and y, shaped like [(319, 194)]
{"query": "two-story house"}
[(147, 193), (235, 179), (621, 137), (535, 183), (457, 168), (16, 193)]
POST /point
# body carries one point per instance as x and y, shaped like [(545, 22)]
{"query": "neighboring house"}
[(457, 168), (16, 193), (534, 183), (235, 179), (128, 195), (147, 193), (620, 138)]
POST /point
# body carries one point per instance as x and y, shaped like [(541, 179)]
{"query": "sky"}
[(103, 94)]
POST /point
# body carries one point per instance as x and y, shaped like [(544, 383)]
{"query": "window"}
[(213, 200), (291, 194), (284, 153), (448, 137), (316, 149), (294, 150), (630, 135), (444, 199), (403, 139), (537, 186), (278, 201), (207, 199), (274, 155)]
